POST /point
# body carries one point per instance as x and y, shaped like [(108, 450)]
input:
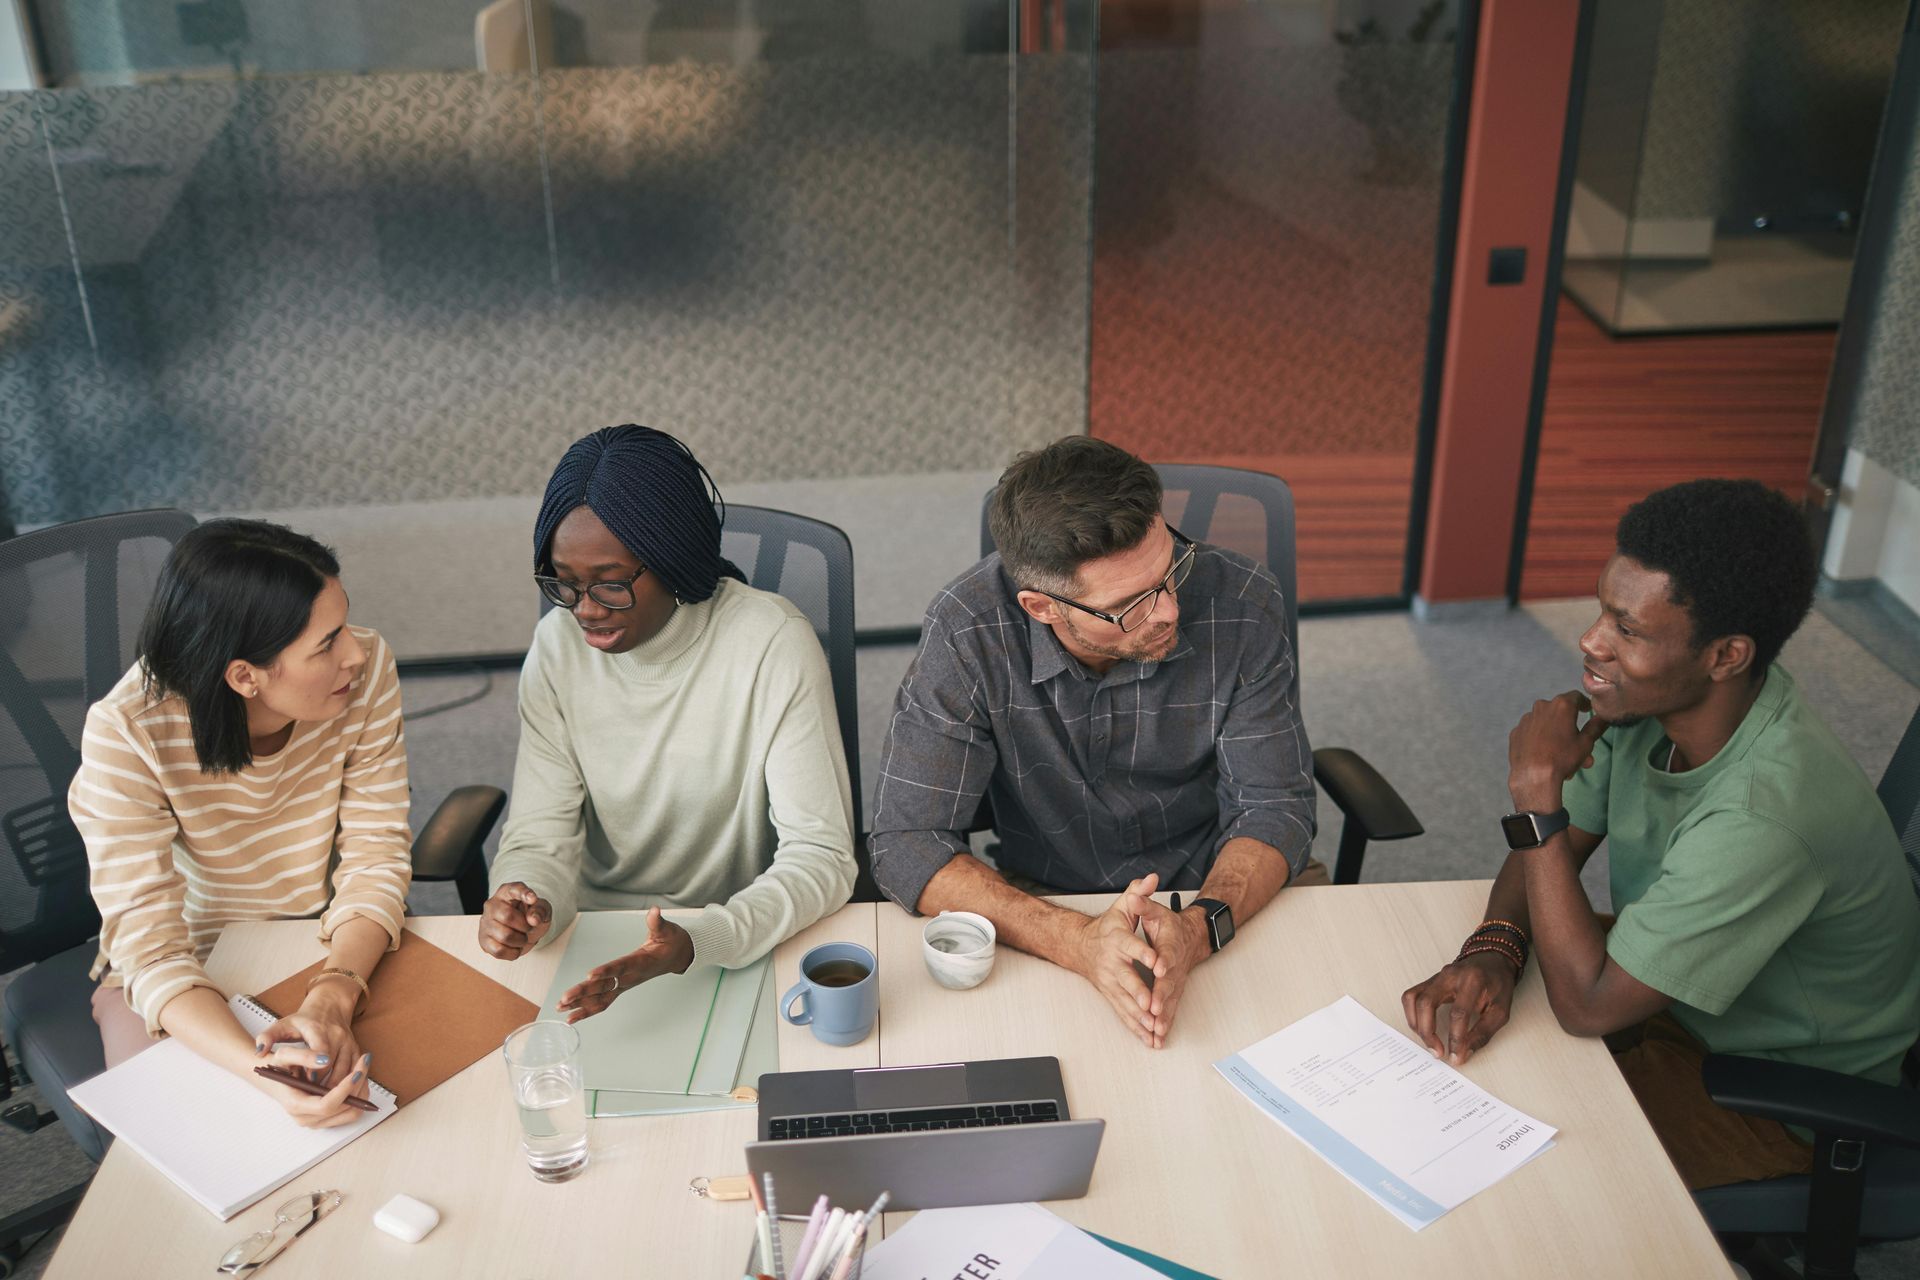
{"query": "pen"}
[(825, 1251), (307, 1086), (853, 1251), (773, 1227), (873, 1210), (815, 1220)]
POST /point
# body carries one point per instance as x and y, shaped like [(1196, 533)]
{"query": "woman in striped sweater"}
[(255, 744)]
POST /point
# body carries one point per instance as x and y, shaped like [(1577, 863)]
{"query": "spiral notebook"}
[(220, 1140)]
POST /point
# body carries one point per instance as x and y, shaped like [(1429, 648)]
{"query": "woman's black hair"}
[(654, 497), (230, 589)]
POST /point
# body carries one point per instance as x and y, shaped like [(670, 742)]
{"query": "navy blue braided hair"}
[(653, 495)]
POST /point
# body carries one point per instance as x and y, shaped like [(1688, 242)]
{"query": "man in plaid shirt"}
[(1127, 700)]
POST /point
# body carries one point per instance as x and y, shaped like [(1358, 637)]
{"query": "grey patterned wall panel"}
[(1764, 106), (339, 290), (1886, 410)]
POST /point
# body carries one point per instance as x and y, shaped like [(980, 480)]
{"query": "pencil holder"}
[(792, 1231)]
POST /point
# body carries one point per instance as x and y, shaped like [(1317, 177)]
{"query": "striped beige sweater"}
[(177, 854)]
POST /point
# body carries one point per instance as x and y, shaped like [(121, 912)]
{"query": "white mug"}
[(958, 946)]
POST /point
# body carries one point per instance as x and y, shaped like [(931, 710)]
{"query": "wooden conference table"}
[(1189, 1168)]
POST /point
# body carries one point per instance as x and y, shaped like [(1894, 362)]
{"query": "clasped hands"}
[(1107, 949), (515, 919)]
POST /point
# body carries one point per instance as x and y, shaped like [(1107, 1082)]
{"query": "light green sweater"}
[(701, 769)]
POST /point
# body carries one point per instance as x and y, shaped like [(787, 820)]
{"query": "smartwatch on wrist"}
[(1219, 918), (1528, 830)]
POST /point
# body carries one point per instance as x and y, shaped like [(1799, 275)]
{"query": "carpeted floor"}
[(1428, 703)]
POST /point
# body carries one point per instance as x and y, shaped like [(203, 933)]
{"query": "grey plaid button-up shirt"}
[(1096, 779)]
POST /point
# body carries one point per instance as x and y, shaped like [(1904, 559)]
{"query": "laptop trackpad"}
[(884, 1088)]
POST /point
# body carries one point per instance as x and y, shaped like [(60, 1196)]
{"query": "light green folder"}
[(679, 1042)]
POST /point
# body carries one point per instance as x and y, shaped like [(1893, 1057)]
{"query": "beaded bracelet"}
[(1507, 926), (1519, 964), (1519, 953), (1504, 936)]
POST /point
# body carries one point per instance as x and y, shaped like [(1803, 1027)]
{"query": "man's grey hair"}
[(1077, 500)]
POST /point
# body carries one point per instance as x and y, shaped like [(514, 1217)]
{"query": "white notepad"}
[(222, 1141)]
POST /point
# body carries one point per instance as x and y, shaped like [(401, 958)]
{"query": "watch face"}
[(1519, 830), (1222, 927)]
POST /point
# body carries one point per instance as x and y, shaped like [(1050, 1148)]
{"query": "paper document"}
[(996, 1242), (678, 1042), (1402, 1125)]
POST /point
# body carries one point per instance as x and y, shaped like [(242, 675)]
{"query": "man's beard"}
[(1149, 648)]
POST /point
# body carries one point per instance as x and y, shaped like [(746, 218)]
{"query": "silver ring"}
[(616, 984)]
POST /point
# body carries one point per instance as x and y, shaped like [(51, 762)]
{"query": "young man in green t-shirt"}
[(1764, 906)]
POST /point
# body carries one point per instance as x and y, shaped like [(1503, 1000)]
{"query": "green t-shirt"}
[(1764, 891)]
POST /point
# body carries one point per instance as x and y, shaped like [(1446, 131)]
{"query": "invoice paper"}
[(1402, 1125)]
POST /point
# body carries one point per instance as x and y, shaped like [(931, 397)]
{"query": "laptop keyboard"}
[(912, 1120)]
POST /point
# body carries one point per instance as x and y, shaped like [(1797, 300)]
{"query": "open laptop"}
[(991, 1132)]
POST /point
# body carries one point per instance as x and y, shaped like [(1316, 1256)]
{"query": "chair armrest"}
[(1363, 795), (1831, 1104), (455, 831)]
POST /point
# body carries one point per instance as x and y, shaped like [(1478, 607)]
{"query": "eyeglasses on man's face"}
[(1140, 608), (612, 595)]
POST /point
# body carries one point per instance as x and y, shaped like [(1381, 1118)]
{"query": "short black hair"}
[(1737, 555), (230, 589), (1076, 500)]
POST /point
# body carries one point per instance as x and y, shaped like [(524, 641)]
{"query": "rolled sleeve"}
[(374, 843), (128, 826), (1265, 784), (938, 760)]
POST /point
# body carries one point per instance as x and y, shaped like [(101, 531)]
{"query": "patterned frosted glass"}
[(812, 239)]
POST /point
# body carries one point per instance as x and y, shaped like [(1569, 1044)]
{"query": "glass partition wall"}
[(370, 267), (1267, 211), (1724, 152)]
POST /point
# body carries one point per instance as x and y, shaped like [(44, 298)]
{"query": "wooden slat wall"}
[(1626, 416)]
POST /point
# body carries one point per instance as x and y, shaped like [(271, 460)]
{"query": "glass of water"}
[(543, 1066)]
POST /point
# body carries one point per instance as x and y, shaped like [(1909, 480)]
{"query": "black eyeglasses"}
[(612, 595), (1141, 608)]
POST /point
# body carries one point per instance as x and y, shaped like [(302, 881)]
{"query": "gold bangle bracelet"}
[(366, 992)]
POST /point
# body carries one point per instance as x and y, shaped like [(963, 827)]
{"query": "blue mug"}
[(839, 993)]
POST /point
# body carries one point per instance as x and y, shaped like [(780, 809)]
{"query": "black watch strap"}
[(1529, 830)]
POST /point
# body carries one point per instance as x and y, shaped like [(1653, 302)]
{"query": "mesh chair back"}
[(1245, 511), (810, 562), (71, 601), (1900, 793)]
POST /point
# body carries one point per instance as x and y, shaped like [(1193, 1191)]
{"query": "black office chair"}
[(71, 601), (1866, 1153), (1252, 513), (810, 562)]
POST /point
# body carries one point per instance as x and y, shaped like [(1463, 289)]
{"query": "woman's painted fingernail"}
[(366, 1059), (356, 1077), (322, 1060), (258, 1048)]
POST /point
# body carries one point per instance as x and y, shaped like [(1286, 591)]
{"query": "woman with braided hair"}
[(678, 741)]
